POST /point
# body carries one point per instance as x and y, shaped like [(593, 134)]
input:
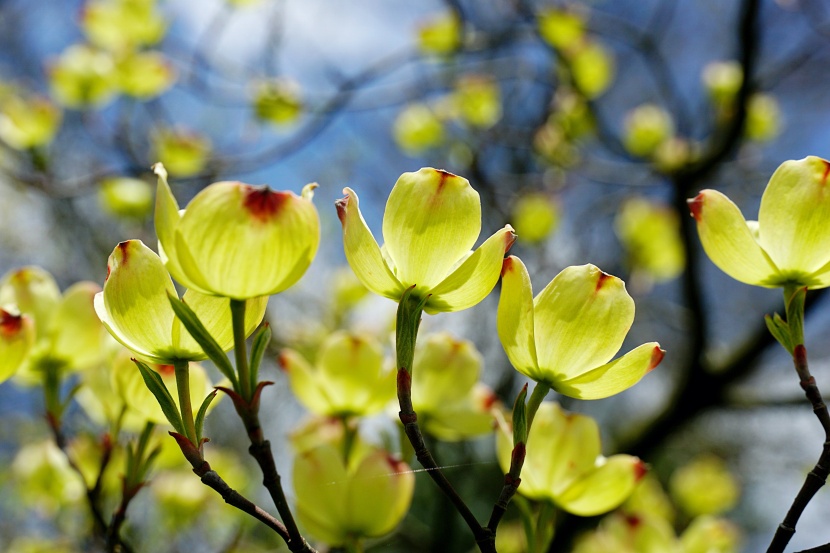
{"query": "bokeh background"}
[(586, 125)]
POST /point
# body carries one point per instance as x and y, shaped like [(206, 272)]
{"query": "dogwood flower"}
[(236, 240), (790, 242), (432, 220), (135, 309), (567, 335), (564, 465)]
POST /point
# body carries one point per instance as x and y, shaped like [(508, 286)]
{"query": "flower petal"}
[(134, 305), (75, 330), (35, 293), (444, 372), (265, 243), (795, 209), (728, 240), (379, 494), (362, 251), (432, 219), (581, 320), (475, 278), (17, 336), (305, 382), (603, 489), (614, 377), (514, 321)]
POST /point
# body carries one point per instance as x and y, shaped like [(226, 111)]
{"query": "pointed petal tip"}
[(657, 355), (696, 205), (507, 264), (640, 470), (159, 170), (509, 238), (10, 323), (308, 191)]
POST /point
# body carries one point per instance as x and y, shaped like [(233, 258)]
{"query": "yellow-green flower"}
[(83, 77), (122, 25), (441, 35), (431, 222), (184, 153), (567, 335), (340, 502), (28, 122), (67, 332), (790, 242), (348, 379), (237, 240), (278, 101), (134, 307), (17, 335), (564, 464), (704, 487), (450, 402), (144, 75)]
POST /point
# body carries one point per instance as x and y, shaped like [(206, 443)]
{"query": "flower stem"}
[(818, 476), (536, 397), (406, 332), (240, 350), (182, 372)]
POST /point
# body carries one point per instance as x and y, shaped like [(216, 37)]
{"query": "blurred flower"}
[(630, 534), (564, 464), (135, 309), (338, 502), (441, 35), (536, 216), (83, 77), (144, 75), (278, 101), (650, 234), (122, 25), (478, 100), (68, 335), (17, 335), (43, 478), (592, 68), (763, 118), (450, 402), (348, 379), (264, 244), (561, 29), (649, 499), (126, 197), (183, 153), (646, 128), (790, 242), (722, 80), (28, 122), (708, 534), (704, 486), (432, 219), (566, 336), (417, 128)]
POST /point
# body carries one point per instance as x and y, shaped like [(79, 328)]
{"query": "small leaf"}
[(520, 418), (261, 340), (156, 386), (795, 315), (199, 333), (200, 416), (780, 331)]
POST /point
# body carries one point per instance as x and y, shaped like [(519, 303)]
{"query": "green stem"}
[(544, 527), (239, 349), (539, 392), (182, 371), (349, 437)]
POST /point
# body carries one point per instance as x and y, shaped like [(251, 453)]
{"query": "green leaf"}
[(795, 313), (261, 340), (780, 330), (156, 386), (200, 416), (196, 329), (520, 418)]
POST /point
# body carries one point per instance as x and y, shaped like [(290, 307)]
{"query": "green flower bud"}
[(567, 335), (646, 128), (431, 221), (348, 379), (536, 216), (450, 402), (126, 197), (417, 128), (441, 35), (478, 100), (144, 75), (563, 463), (183, 153), (650, 234), (561, 29), (278, 102), (722, 80), (763, 118), (339, 502), (265, 243)]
